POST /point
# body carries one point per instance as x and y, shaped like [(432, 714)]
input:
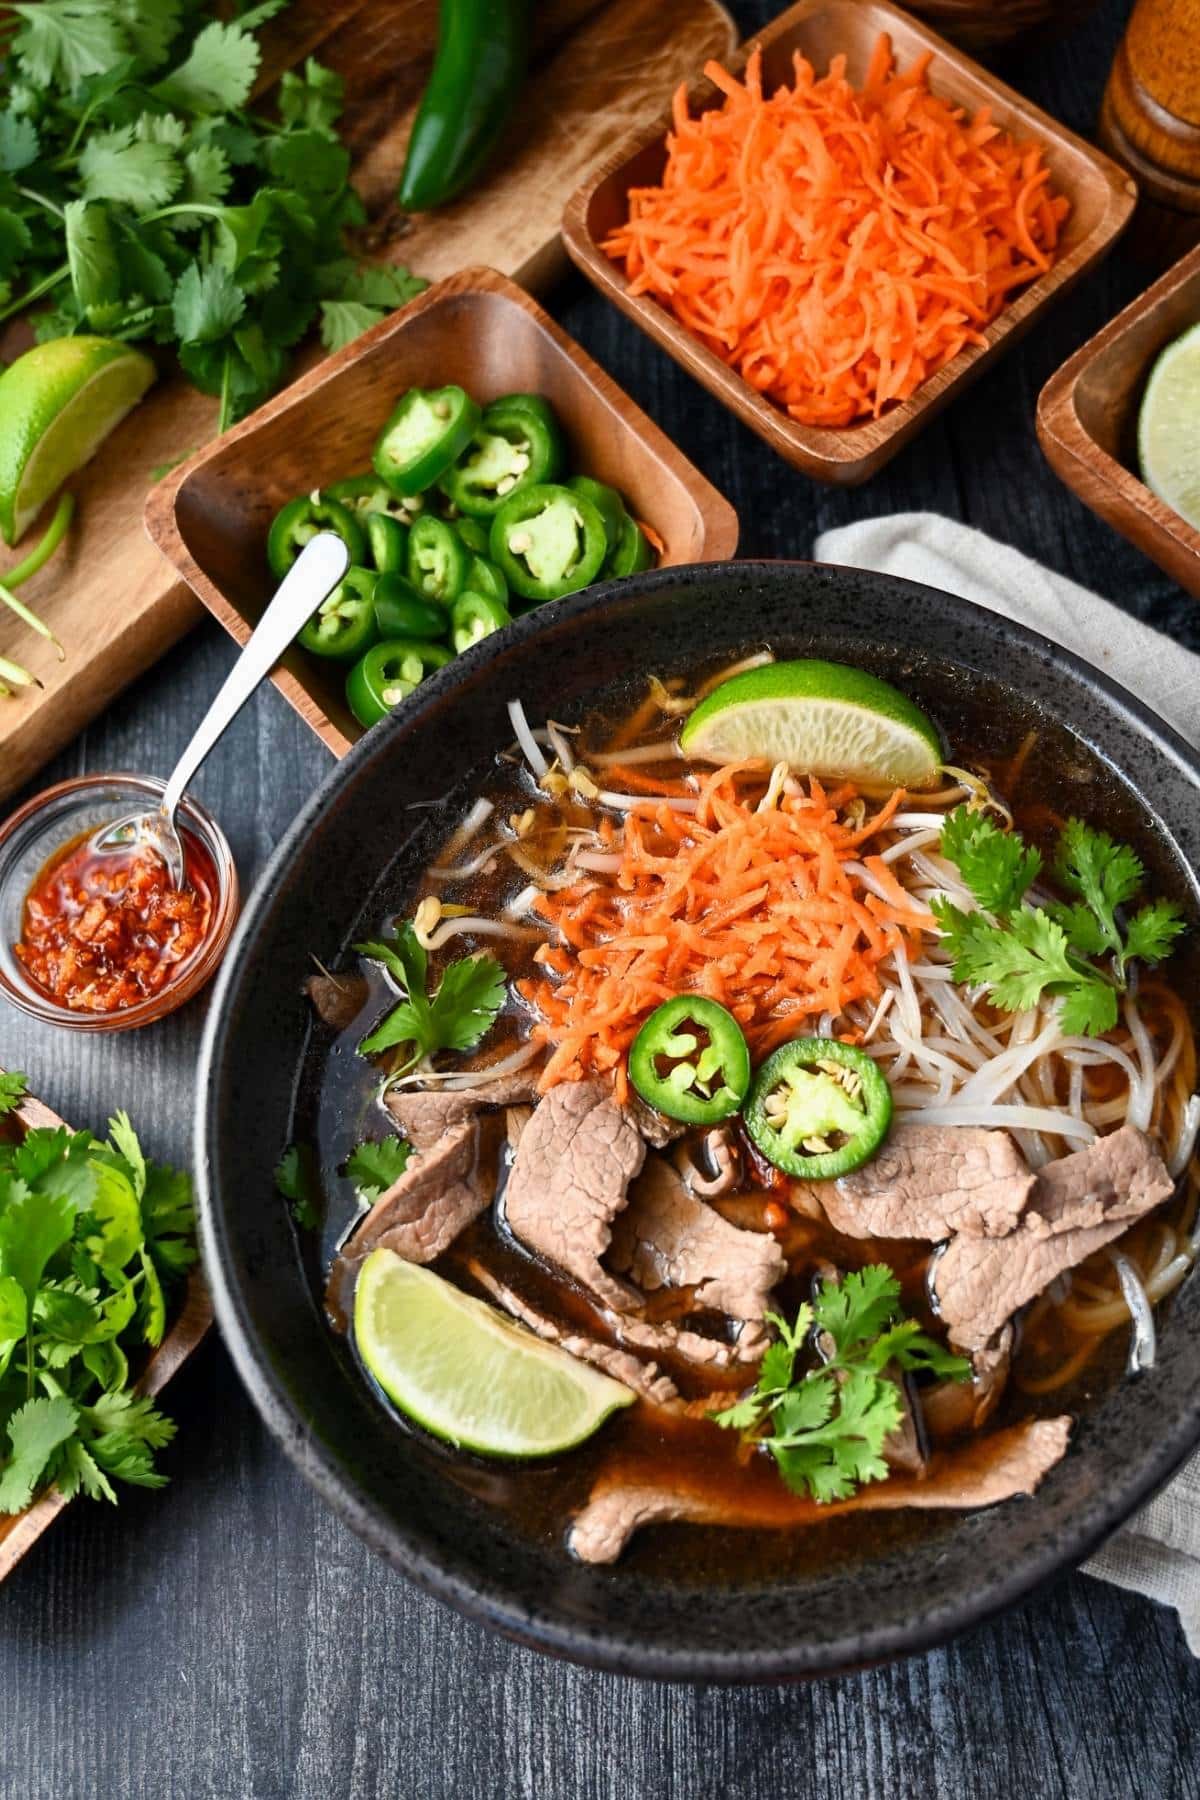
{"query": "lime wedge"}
[(1169, 427), (466, 1373), (58, 403), (820, 718)]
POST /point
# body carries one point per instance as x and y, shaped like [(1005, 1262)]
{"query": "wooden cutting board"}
[(597, 70)]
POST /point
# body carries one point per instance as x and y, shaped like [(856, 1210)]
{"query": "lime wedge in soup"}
[(1169, 427), (468, 1375), (821, 718), (58, 403)]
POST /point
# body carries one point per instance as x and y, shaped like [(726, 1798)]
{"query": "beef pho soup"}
[(759, 1140)]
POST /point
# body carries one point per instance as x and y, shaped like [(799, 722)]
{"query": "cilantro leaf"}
[(13, 1089), (344, 320), (1104, 874), (217, 74), (168, 1220), (207, 304), (828, 1428), (36, 1432), (469, 995), (374, 1167), (124, 1141), (856, 1309), (61, 41), (151, 26), (996, 865), (1151, 932), (115, 165), (293, 1179), (19, 143), (33, 1228), (313, 100)]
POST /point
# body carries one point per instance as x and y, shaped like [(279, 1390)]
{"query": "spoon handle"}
[(313, 575)]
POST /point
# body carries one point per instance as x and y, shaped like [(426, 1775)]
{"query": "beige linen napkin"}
[(1158, 1552)]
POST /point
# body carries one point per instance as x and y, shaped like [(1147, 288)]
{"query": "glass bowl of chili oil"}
[(102, 943)]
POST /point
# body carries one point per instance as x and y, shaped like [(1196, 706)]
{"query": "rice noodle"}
[(1144, 1344), (529, 747), (1011, 1118)]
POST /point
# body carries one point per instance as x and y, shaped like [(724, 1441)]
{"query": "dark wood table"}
[(229, 1638)]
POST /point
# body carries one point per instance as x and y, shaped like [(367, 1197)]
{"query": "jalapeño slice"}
[(676, 1070), (819, 1108)]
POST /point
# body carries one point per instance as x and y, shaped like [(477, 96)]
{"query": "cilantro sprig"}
[(92, 1237), (455, 1016), (373, 1167), (826, 1427), (143, 199), (1078, 950)]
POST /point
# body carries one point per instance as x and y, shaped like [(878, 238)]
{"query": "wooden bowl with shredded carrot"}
[(836, 232)]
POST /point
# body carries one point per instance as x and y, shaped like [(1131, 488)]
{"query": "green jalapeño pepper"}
[(424, 435), (633, 552), (607, 502), (512, 449), (482, 52), (387, 541), (437, 559), (366, 495), (690, 1060), (343, 625), (548, 541), (474, 535), (819, 1108), (400, 612), (388, 674), (483, 577), (476, 616), (297, 523)]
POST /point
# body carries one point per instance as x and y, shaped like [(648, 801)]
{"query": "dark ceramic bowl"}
[(354, 849)]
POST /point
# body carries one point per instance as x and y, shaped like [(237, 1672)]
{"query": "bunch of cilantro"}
[(92, 1238), (141, 199), (1077, 950), (826, 1427)]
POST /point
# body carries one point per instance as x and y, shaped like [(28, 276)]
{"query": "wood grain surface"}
[(228, 1639), (597, 68)]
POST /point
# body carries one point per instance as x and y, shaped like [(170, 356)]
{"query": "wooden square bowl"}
[(1087, 420), (1101, 196), (210, 518)]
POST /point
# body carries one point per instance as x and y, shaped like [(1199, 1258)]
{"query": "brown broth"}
[(1044, 774)]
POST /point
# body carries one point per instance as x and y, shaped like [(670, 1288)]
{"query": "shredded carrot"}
[(772, 913), (837, 245)]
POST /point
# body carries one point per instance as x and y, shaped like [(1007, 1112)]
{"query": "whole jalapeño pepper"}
[(482, 54)]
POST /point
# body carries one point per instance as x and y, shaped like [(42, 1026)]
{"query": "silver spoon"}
[(311, 578)]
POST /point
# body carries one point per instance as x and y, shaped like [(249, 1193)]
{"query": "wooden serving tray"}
[(20, 1531), (597, 69), (1087, 421), (1102, 197), (477, 329)]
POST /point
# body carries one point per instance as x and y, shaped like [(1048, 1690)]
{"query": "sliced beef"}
[(1081, 1203), (337, 1000), (655, 1127), (1005, 1463), (931, 1182), (425, 1115), (440, 1192), (950, 1408), (666, 1237), (644, 1378), (570, 1175)]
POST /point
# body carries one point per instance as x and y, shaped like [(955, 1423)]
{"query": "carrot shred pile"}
[(766, 911), (836, 246)]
